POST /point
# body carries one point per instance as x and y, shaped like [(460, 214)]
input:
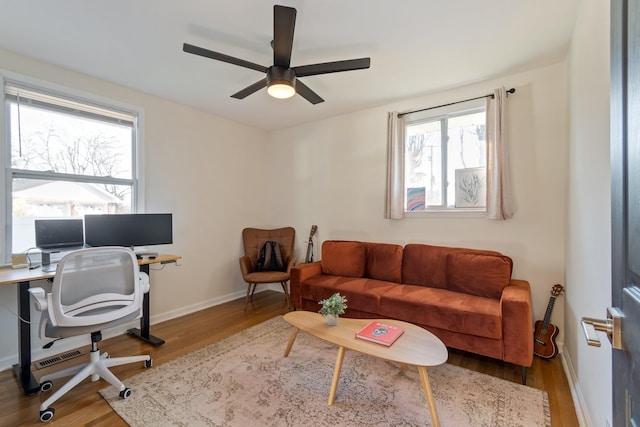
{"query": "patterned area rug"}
[(244, 380)]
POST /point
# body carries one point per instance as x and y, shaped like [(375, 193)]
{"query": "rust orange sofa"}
[(466, 297)]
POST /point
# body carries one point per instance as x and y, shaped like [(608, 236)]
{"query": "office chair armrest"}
[(143, 278), (40, 297)]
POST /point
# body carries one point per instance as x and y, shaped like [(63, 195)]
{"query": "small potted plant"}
[(333, 307)]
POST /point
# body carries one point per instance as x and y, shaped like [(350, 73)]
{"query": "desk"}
[(23, 277)]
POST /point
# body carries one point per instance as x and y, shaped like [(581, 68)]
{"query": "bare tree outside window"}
[(68, 158), (435, 147)]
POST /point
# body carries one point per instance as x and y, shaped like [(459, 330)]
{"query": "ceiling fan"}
[(281, 79)]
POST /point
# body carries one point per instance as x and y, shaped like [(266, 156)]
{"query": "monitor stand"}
[(46, 258)]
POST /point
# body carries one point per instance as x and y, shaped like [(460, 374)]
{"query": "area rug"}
[(244, 380)]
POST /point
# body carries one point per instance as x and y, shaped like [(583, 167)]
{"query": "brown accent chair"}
[(253, 239)]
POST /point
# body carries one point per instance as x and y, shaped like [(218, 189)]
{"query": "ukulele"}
[(544, 336), (309, 257)]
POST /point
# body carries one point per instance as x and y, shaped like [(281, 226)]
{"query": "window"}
[(445, 159), (67, 157)]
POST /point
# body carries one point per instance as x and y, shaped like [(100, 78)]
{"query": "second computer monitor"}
[(128, 230), (58, 234)]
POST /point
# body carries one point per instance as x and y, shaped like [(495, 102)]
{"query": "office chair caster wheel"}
[(46, 415), (148, 363), (125, 394), (46, 386)]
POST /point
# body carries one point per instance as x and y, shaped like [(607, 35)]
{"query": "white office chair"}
[(93, 289)]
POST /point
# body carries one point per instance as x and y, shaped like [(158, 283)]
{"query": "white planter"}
[(332, 320)]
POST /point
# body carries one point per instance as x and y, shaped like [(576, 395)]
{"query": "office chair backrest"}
[(94, 286)]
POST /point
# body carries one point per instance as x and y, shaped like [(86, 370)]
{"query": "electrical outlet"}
[(19, 261)]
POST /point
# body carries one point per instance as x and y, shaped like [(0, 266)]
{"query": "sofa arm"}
[(517, 323), (298, 274)]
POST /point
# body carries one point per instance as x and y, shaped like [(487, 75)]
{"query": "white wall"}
[(335, 174), (588, 250), (200, 167), (332, 173)]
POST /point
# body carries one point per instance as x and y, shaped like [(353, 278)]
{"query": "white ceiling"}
[(416, 47)]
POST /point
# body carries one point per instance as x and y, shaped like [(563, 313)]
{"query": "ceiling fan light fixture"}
[(281, 82), (281, 90)]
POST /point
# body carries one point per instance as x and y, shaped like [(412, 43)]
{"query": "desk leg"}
[(23, 368), (336, 375), (426, 385), (143, 332)]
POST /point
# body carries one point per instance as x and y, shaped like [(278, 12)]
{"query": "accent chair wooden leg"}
[(246, 301), (286, 293), (524, 375)]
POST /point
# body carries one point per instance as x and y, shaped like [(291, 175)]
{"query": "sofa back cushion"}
[(343, 258), (426, 265), (478, 274), (383, 262)]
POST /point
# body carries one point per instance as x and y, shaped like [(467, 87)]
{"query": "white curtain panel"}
[(394, 196), (499, 202)]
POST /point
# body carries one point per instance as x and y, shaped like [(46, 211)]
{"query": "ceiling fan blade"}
[(332, 67), (304, 91), (284, 22), (250, 89), (222, 57)]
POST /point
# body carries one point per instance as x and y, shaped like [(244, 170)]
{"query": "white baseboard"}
[(183, 311), (576, 393)]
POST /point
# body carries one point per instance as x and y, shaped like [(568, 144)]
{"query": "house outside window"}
[(445, 159), (65, 156)]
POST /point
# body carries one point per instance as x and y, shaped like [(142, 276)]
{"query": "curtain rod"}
[(512, 90)]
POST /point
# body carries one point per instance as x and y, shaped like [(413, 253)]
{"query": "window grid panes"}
[(445, 162), (67, 158)]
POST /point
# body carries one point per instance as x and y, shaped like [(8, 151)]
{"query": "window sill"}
[(447, 213)]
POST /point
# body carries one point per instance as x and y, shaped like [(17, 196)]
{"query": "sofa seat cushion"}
[(362, 294), (343, 258), (443, 309)]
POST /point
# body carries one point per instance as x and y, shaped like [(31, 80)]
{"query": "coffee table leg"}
[(336, 375), (424, 378), (292, 338)]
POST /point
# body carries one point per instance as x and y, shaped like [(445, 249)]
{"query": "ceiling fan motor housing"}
[(281, 75)]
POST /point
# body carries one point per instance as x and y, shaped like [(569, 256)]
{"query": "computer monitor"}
[(58, 234), (128, 230)]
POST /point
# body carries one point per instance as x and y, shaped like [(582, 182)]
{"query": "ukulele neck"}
[(547, 315)]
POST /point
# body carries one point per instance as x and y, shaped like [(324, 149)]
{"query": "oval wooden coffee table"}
[(416, 346)]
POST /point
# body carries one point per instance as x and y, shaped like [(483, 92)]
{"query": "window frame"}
[(9, 174), (442, 114)]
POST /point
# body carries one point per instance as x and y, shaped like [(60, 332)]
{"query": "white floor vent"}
[(57, 359)]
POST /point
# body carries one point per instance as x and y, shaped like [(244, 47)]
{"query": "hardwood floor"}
[(84, 405)]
